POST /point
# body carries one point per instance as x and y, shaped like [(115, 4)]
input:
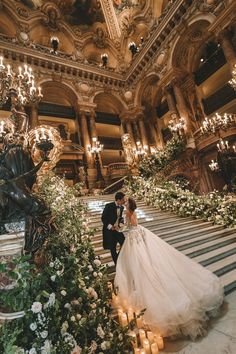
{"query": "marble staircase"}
[(211, 245)]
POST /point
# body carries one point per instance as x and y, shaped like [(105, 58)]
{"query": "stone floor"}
[(221, 338)]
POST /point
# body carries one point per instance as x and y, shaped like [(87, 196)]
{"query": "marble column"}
[(182, 107), (171, 102), (143, 132), (34, 121), (136, 131), (92, 122), (130, 131), (227, 48), (86, 138)]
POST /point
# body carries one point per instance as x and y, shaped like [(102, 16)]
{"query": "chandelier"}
[(139, 150), (211, 125), (176, 127), (20, 85), (214, 166), (96, 147), (232, 82)]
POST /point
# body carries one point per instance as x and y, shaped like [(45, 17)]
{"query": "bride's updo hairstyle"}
[(132, 204)]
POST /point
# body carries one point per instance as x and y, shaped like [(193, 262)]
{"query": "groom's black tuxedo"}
[(110, 237)]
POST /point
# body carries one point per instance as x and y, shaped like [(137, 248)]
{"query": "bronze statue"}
[(17, 201)]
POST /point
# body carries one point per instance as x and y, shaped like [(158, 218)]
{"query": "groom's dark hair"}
[(119, 195)]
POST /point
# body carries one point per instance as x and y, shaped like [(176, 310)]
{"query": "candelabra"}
[(54, 43), (232, 82), (43, 141), (225, 163), (96, 148), (177, 127), (140, 150), (217, 122), (104, 58), (18, 86)]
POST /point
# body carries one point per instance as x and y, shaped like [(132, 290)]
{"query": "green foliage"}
[(160, 159), (169, 196), (65, 296)]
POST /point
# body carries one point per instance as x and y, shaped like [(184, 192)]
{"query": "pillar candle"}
[(130, 314), (134, 339), (124, 320), (120, 313), (146, 346), (150, 337), (159, 342), (142, 336), (139, 322), (154, 348)]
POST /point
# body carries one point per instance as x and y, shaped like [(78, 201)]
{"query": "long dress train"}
[(179, 295)]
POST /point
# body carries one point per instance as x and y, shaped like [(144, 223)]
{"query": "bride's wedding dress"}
[(178, 294)]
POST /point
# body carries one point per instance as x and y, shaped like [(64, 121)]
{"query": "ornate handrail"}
[(114, 186), (118, 166)]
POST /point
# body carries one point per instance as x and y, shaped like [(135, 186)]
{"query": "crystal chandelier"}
[(140, 151), (96, 147), (20, 86), (211, 125), (214, 166), (232, 82), (176, 127)]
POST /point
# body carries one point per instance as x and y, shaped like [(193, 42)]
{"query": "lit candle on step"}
[(136, 351), (142, 351), (124, 320), (130, 314), (150, 336), (146, 346), (154, 348), (120, 313), (134, 339), (159, 342), (142, 336), (139, 322)]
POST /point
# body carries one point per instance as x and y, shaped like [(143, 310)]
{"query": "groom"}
[(111, 219)]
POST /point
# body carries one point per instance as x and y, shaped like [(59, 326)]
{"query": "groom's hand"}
[(114, 228)]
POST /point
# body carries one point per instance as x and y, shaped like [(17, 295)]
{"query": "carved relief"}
[(22, 12), (100, 37)]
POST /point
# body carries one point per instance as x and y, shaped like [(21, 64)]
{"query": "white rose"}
[(51, 264), (44, 334), (78, 316), (63, 293), (95, 274), (97, 262), (53, 277), (72, 318), (103, 346), (36, 307), (67, 306), (33, 327), (32, 351)]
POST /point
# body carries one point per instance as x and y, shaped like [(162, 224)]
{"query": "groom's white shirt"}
[(118, 214)]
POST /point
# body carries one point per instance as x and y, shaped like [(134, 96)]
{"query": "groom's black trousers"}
[(116, 237)]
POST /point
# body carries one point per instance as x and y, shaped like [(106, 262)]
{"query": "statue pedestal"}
[(11, 246)]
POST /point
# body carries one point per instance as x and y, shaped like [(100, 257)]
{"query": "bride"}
[(178, 294)]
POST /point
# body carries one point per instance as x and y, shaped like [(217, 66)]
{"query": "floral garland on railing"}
[(162, 157), (169, 196), (65, 296)]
